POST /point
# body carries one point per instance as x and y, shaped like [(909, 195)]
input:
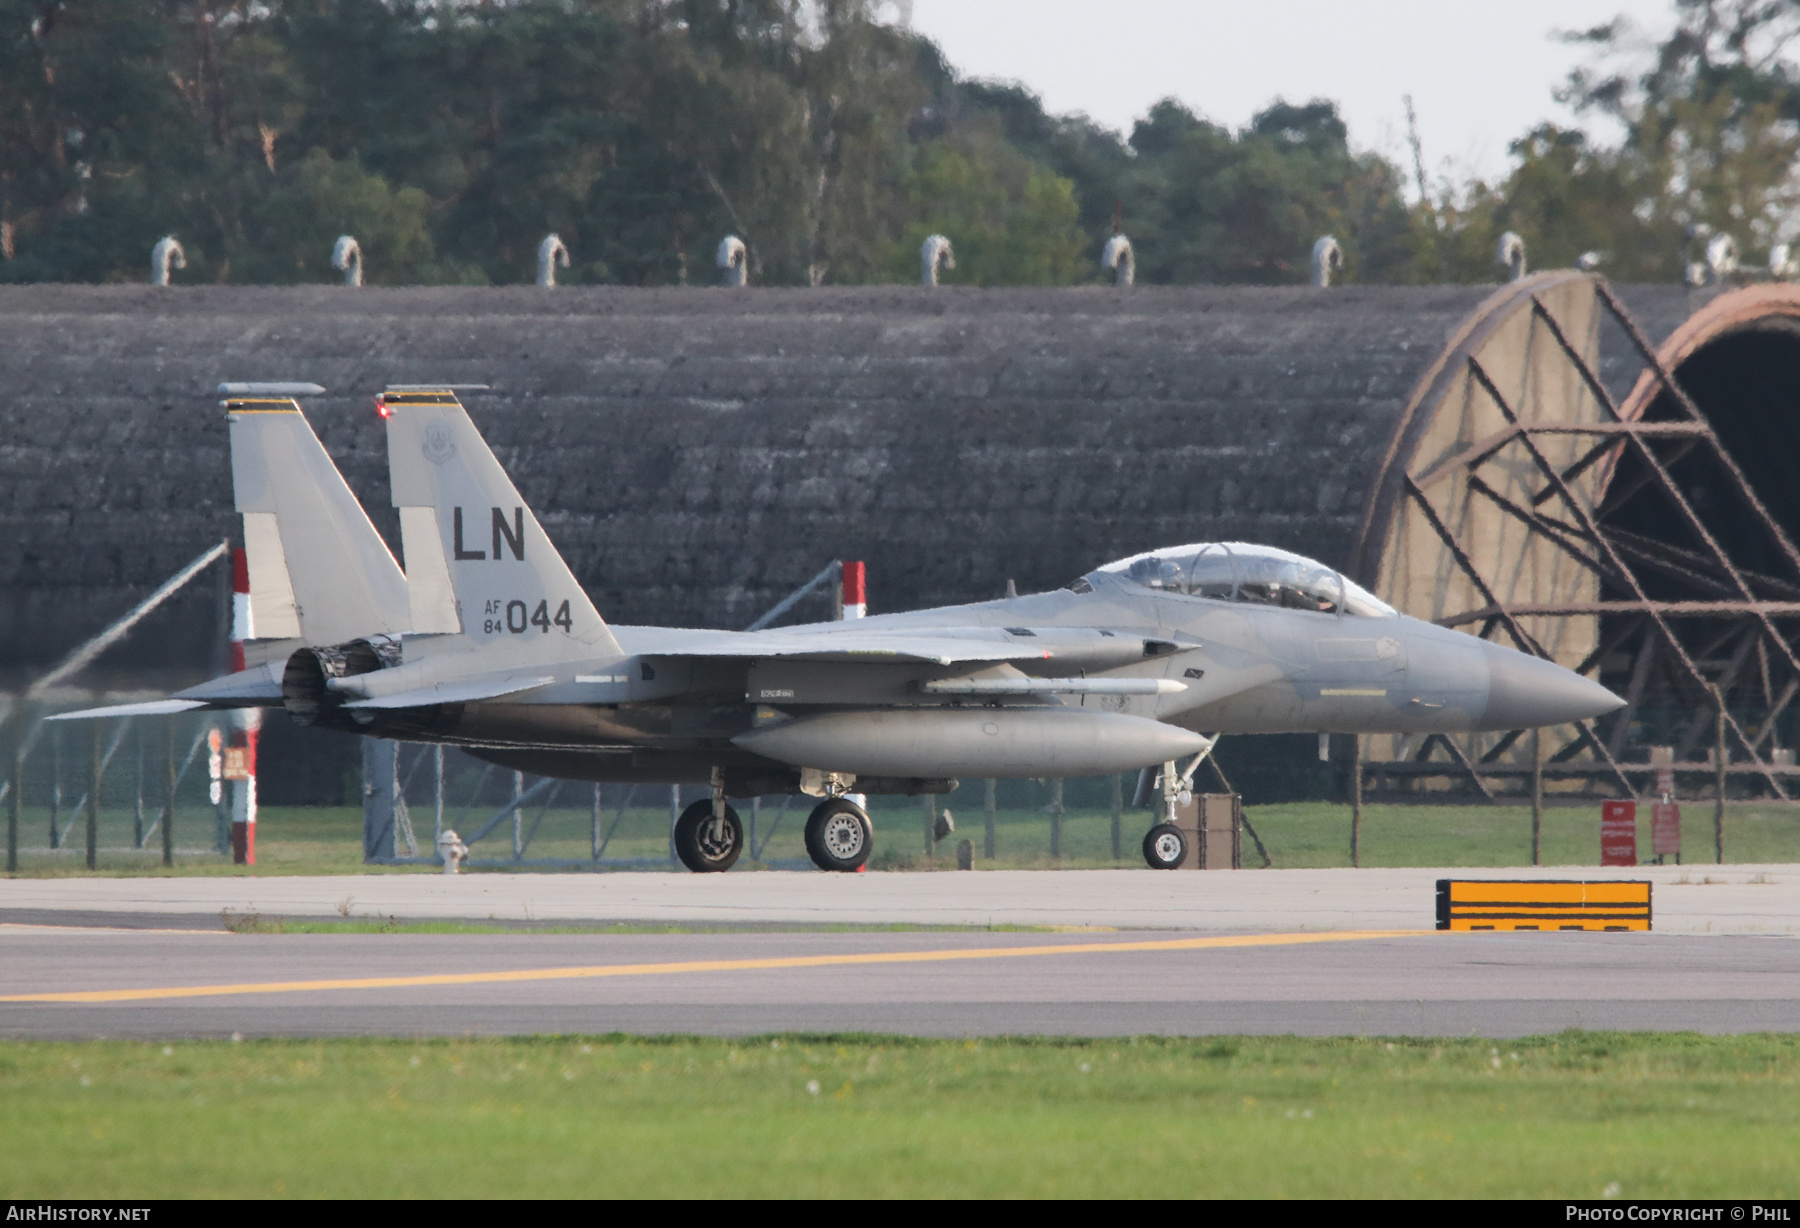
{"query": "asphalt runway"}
[(74, 982)]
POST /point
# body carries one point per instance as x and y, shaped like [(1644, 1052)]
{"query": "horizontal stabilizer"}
[(454, 693), (1054, 686), (270, 390), (154, 707), (257, 687)]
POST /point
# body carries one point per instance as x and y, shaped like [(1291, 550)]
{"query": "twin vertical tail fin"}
[(474, 551), (319, 571)]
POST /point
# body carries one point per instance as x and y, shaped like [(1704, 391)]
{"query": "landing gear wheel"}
[(838, 836), (1165, 848), (704, 844)]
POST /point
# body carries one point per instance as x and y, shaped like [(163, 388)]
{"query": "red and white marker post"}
[(855, 604), (240, 750), (856, 597)]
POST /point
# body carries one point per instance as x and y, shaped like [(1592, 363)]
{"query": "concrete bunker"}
[(697, 454)]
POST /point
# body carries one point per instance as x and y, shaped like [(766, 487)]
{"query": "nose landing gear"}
[(839, 836), (1165, 848)]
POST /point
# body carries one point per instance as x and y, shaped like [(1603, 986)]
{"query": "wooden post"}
[(930, 800), (437, 822), (93, 797), (14, 795), (1056, 813), (56, 764), (1537, 797), (518, 816), (992, 808), (1719, 780), (1356, 762), (168, 827), (137, 813), (595, 839), (1118, 812)]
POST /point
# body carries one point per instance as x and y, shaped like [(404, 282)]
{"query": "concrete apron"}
[(1735, 899)]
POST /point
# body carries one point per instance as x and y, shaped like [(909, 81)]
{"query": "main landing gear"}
[(708, 842), (839, 836), (709, 837)]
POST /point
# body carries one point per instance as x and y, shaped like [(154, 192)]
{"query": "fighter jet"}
[(1139, 664)]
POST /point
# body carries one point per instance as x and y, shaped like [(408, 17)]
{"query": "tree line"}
[(449, 138)]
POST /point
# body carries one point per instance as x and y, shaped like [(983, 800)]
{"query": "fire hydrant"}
[(452, 850)]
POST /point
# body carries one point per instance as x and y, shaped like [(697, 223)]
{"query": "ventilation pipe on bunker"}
[(935, 255), (551, 252), (347, 255), (733, 261), (1118, 257), (1721, 257), (1327, 258), (1510, 253), (1693, 253), (166, 255)]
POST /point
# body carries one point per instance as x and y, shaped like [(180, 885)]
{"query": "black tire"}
[(701, 848), (1165, 848), (839, 836)]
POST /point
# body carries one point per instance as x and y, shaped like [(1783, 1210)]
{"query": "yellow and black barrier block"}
[(1538, 904)]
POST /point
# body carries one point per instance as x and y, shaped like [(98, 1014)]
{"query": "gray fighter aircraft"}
[(488, 642)]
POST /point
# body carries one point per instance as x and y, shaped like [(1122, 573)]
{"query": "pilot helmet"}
[(1157, 572)]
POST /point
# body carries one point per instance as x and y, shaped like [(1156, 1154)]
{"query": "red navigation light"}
[(381, 407)]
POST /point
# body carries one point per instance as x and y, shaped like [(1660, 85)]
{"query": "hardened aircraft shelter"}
[(1593, 472)]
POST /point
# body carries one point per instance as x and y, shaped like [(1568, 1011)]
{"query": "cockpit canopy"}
[(1254, 575)]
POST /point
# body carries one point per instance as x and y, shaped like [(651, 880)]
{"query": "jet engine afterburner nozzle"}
[(308, 682)]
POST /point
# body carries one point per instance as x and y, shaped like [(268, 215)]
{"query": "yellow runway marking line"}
[(97, 929), (706, 965)]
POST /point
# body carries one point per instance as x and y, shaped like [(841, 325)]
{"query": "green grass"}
[(1570, 1116), (1318, 834), (327, 840)]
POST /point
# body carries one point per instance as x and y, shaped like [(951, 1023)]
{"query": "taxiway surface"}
[(1303, 951), (163, 984), (1740, 899)]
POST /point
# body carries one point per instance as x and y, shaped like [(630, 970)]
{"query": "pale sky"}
[(1480, 74)]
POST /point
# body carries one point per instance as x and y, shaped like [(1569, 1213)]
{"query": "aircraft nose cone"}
[(1526, 692)]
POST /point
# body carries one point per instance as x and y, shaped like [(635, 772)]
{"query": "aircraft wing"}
[(948, 647)]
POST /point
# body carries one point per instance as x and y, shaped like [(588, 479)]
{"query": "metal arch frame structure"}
[(1701, 642)]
